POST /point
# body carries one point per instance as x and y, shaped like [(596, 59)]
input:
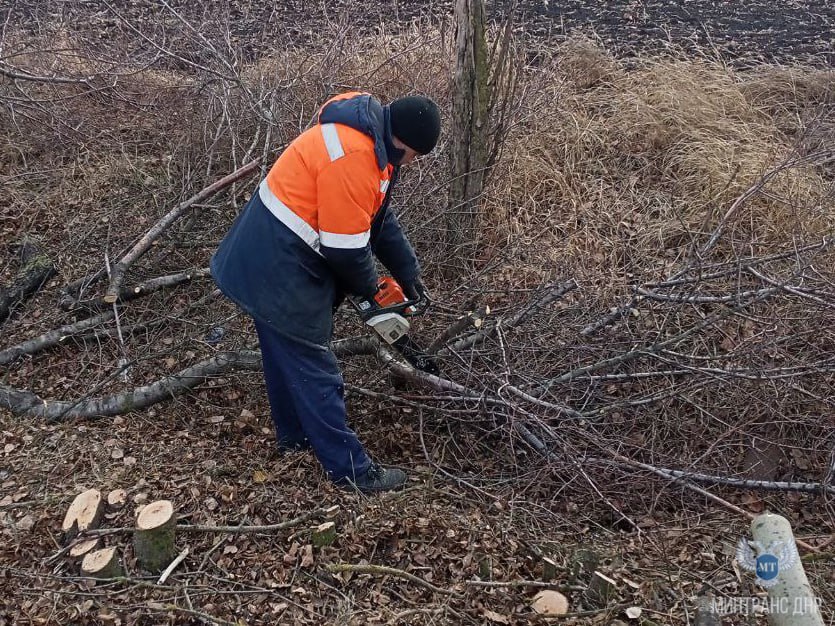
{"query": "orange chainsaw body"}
[(390, 293)]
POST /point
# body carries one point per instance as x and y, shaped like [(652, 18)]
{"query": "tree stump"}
[(84, 514), (601, 590), (82, 548), (102, 563), (35, 270), (153, 539), (117, 499), (324, 535), (549, 569)]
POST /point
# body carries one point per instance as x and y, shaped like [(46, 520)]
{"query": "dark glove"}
[(416, 290)]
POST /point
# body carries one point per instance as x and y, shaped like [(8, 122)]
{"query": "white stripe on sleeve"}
[(337, 240), (332, 142)]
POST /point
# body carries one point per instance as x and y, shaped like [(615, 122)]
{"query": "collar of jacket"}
[(364, 113)]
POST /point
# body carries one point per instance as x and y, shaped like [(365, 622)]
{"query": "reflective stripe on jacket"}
[(308, 234)]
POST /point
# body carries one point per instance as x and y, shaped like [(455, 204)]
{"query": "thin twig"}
[(382, 570)]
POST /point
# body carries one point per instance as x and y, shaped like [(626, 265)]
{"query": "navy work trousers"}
[(307, 403)]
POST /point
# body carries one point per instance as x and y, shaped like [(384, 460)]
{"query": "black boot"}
[(286, 447), (376, 479)]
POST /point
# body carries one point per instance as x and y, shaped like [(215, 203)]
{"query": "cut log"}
[(84, 547), (116, 499), (153, 539), (102, 563), (792, 601), (324, 535), (485, 567), (84, 514)]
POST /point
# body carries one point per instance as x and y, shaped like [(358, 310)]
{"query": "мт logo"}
[(768, 560)]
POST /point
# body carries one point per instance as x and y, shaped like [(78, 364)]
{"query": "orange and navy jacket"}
[(308, 235)]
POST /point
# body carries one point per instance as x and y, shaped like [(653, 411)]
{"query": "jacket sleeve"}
[(393, 249), (347, 194)]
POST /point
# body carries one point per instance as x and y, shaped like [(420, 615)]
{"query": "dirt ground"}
[(739, 32)]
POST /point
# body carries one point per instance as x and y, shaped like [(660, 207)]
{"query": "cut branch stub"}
[(153, 539), (102, 563), (84, 514)]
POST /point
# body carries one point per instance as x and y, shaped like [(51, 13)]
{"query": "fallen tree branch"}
[(635, 353), (52, 338), (301, 519), (167, 572), (552, 294), (118, 271), (671, 475), (473, 318), (128, 294), (27, 404), (727, 481), (515, 584)]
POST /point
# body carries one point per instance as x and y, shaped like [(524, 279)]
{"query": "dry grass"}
[(613, 165)]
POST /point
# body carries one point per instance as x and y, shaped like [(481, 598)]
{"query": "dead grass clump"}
[(648, 160), (782, 87), (583, 63)]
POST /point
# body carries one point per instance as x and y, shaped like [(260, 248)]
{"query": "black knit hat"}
[(416, 121)]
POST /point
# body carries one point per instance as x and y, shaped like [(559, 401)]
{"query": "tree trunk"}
[(469, 134)]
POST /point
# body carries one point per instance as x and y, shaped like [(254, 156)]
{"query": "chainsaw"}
[(387, 313)]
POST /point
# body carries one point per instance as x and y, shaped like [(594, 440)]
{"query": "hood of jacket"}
[(364, 113)]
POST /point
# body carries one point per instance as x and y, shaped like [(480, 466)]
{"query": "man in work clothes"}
[(306, 239)]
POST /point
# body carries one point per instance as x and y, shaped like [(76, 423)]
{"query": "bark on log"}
[(706, 614), (35, 270), (117, 273), (601, 591), (27, 404), (153, 539), (84, 514), (102, 563), (52, 338)]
